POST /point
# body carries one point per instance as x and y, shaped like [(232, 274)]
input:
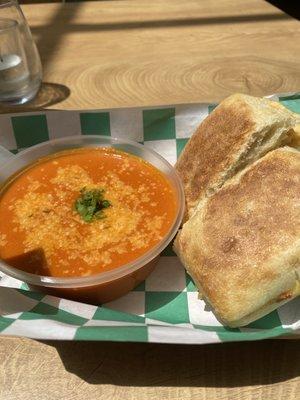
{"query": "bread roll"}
[(239, 131), (242, 245)]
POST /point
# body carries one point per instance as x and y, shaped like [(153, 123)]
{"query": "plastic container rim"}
[(126, 269)]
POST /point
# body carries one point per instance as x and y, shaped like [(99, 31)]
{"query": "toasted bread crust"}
[(243, 243), (228, 139)]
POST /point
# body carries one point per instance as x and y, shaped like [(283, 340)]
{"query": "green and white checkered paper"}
[(165, 308)]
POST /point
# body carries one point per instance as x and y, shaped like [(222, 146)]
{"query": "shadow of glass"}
[(48, 95), (223, 365)]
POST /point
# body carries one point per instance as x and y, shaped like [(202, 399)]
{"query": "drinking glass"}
[(20, 65)]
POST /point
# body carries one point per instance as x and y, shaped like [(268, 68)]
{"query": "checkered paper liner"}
[(165, 308)]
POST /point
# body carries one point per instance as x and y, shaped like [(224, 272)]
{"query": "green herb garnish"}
[(91, 203)]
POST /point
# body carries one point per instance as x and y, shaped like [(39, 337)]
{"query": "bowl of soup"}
[(86, 217)]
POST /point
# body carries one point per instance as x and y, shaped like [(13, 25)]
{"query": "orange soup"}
[(84, 211)]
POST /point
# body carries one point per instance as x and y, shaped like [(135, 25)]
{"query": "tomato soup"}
[(81, 212)]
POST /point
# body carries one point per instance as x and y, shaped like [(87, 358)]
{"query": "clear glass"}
[(21, 160), (20, 65)]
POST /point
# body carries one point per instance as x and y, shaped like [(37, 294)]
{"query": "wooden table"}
[(129, 53)]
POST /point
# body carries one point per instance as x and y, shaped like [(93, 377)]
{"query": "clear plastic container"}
[(106, 286)]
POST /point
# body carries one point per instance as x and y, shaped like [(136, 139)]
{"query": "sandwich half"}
[(239, 131), (242, 245)]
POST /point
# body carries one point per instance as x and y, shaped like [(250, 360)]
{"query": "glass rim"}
[(125, 269), (11, 23)]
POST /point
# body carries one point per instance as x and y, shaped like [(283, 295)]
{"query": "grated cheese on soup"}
[(133, 209)]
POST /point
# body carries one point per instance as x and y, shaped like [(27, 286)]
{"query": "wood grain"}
[(129, 53), (76, 371)]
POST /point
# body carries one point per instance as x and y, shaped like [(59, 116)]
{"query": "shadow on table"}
[(165, 23), (48, 95), (49, 36), (221, 365)]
